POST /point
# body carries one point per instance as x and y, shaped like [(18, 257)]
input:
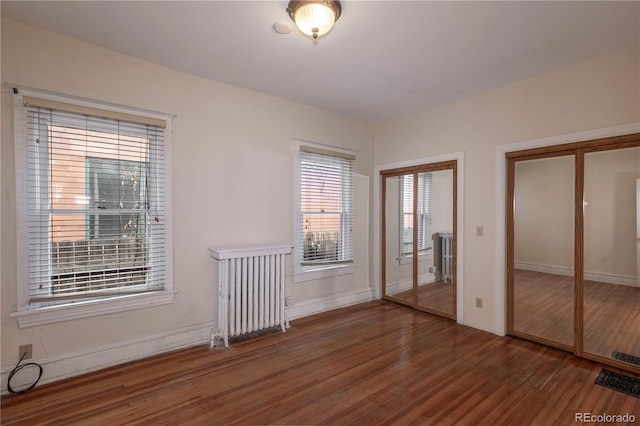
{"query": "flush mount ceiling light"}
[(314, 18)]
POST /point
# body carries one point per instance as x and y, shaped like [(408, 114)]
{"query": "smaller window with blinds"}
[(95, 204), (325, 208), (423, 211)]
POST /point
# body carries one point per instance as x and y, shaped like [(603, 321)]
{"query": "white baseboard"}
[(60, 367), (400, 286), (322, 304), (547, 269), (73, 364), (611, 279), (590, 276)]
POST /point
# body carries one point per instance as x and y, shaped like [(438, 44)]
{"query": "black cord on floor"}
[(18, 368)]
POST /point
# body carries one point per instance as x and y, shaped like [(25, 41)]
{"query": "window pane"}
[(424, 213), (113, 185), (116, 184), (90, 216), (326, 205)]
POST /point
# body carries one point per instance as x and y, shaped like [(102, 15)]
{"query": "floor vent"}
[(619, 382)]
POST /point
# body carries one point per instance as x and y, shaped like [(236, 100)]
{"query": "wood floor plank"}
[(544, 308), (373, 363)]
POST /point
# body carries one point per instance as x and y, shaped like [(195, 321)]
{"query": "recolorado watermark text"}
[(604, 418)]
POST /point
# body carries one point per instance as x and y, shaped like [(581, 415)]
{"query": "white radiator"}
[(251, 290), (446, 256)]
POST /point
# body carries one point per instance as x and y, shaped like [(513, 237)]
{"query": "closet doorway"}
[(419, 212), (573, 235)]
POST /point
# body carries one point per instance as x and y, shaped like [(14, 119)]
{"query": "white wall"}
[(544, 218), (232, 178), (610, 215), (599, 93), (442, 208), (232, 185), (544, 215)]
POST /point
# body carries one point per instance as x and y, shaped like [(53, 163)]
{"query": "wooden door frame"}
[(512, 159), (578, 150), (415, 170)]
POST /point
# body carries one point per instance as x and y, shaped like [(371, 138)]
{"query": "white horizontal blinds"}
[(425, 242), (326, 207), (95, 206), (406, 215), (91, 111), (423, 210)]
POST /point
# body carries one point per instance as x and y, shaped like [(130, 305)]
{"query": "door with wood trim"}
[(418, 237), (600, 318), (541, 294), (611, 296)]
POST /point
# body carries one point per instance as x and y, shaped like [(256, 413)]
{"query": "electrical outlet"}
[(26, 350), (432, 269), (479, 231), (478, 302), (289, 301)]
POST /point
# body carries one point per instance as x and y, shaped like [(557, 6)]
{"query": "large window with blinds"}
[(325, 209), (423, 207), (95, 203)]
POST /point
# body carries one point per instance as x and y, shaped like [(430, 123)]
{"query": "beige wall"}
[(543, 223), (610, 213), (442, 208), (544, 215), (232, 179), (232, 169), (599, 93)]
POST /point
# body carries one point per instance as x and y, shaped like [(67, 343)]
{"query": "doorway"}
[(419, 228), (572, 248)]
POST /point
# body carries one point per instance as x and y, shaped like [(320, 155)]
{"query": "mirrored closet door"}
[(573, 248), (611, 291), (542, 212), (398, 230), (418, 249)]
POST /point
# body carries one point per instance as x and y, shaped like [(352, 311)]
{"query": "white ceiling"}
[(382, 60)]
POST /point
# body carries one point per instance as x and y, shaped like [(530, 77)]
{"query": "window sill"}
[(320, 273), (405, 260), (93, 308)]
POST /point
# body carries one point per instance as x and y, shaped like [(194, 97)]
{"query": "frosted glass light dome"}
[(314, 18)]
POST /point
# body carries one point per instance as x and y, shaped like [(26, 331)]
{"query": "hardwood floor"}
[(544, 308), (436, 295), (373, 363), (611, 319), (544, 305)]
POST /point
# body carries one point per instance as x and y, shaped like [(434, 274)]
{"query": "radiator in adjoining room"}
[(444, 257), (251, 290)]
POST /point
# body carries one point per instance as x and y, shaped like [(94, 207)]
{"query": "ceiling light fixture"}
[(314, 18)]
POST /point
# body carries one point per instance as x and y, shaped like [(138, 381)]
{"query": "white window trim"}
[(407, 259), (309, 273), (31, 317), (91, 308)]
